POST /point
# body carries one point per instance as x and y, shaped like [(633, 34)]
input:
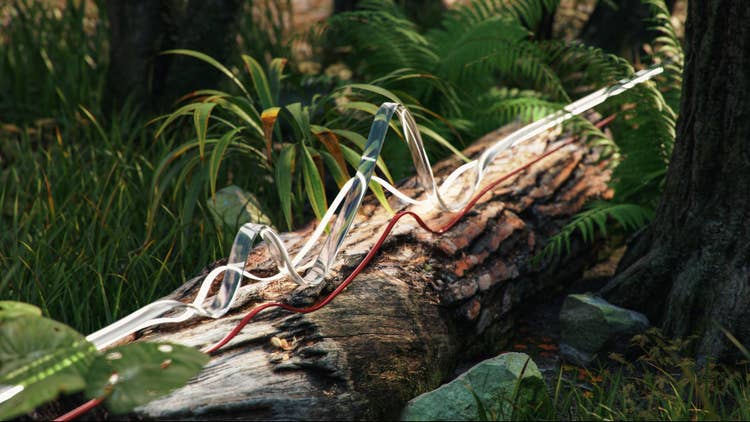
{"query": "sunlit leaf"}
[(442, 141), (12, 309), (376, 90), (353, 158), (43, 356), (137, 373)]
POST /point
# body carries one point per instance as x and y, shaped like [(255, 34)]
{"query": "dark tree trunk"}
[(424, 304), (141, 29), (620, 30), (690, 271)]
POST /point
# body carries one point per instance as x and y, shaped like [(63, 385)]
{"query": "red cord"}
[(80, 410), (374, 250), (370, 255)]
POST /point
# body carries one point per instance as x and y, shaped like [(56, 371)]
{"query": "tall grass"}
[(663, 382), (73, 214), (74, 189), (53, 56)]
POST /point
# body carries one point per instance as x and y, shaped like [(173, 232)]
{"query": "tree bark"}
[(690, 271), (620, 29), (425, 303), (141, 29)]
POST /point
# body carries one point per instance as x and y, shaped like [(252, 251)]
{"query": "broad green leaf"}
[(137, 373), (313, 184), (366, 107), (43, 356), (200, 120), (213, 62), (377, 190), (12, 309), (284, 172), (260, 81), (216, 157)]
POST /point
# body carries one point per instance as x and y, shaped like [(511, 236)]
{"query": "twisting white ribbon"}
[(341, 214), (339, 217)]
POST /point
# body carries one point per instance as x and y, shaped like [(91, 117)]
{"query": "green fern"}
[(644, 133), (595, 220)]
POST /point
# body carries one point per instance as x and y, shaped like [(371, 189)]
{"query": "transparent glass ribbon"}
[(340, 215)]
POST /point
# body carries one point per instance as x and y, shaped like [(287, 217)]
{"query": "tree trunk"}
[(690, 271), (620, 29), (423, 305), (141, 29)]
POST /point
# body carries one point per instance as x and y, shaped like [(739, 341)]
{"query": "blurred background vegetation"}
[(127, 127)]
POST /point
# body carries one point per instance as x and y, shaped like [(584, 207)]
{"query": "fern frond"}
[(644, 132), (527, 12), (668, 50), (583, 68), (383, 39), (595, 220)]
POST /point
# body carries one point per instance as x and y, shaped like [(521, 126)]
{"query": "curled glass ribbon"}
[(341, 213)]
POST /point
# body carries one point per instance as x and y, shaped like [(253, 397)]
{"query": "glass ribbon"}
[(341, 213)]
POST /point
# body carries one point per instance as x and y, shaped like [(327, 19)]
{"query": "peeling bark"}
[(422, 305)]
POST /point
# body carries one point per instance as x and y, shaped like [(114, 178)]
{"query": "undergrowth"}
[(662, 382)]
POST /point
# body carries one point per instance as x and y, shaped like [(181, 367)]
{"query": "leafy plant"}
[(289, 148), (482, 62), (644, 133), (41, 358)]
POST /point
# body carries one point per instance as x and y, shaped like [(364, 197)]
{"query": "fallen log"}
[(425, 303)]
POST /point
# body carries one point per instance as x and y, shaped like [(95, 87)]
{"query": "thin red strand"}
[(86, 407), (374, 250)]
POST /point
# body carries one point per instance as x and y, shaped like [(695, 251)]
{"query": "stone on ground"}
[(588, 322), (502, 383)]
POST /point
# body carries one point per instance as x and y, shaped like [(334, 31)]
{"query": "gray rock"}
[(588, 322), (234, 207), (495, 382)]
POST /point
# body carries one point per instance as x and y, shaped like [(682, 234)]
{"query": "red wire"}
[(370, 255), (80, 410), (374, 250)]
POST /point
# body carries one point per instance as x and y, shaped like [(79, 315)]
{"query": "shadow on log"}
[(424, 304)]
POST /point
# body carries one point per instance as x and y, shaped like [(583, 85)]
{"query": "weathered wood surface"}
[(422, 305)]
